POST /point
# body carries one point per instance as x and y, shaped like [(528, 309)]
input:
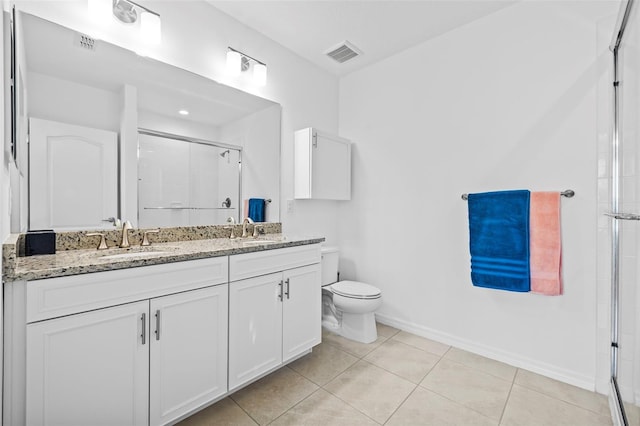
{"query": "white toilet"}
[(347, 306)]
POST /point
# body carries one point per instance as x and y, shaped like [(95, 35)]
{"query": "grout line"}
[(242, 408), (573, 404), (296, 404), (400, 405), (349, 404), (506, 402), (458, 402), (399, 376)]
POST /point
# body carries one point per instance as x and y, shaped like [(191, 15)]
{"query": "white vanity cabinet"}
[(90, 367), (149, 361), (322, 165), (188, 352), (151, 345), (274, 310)]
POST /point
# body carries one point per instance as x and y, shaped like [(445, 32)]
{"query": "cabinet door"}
[(255, 327), (330, 168), (302, 310), (322, 165), (188, 352), (90, 368)]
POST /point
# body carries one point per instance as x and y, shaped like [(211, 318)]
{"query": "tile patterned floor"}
[(403, 379)]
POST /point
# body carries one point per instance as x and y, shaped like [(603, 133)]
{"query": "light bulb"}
[(260, 74), (233, 62), (150, 28)]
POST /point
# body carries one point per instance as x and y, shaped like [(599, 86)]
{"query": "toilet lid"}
[(355, 289)]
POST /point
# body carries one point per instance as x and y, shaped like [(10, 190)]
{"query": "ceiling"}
[(380, 28)]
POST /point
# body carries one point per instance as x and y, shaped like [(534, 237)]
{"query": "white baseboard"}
[(516, 360)]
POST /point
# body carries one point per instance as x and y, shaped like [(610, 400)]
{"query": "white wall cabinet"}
[(322, 166), (272, 319)]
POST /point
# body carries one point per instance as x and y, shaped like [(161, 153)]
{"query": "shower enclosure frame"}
[(222, 145), (615, 399)]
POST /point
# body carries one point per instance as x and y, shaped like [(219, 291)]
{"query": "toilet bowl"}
[(348, 307)]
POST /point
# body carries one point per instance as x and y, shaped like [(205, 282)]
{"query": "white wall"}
[(258, 134), (196, 37), (55, 99), (176, 126), (505, 102)]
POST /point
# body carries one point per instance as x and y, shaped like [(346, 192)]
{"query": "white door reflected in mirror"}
[(73, 176)]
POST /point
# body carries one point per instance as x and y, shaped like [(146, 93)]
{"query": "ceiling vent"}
[(343, 52), (85, 42)]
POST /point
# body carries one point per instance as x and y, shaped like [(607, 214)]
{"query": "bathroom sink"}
[(134, 254), (251, 243)]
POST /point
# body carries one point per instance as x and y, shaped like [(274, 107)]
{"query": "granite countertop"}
[(74, 262)]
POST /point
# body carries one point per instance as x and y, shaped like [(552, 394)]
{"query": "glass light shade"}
[(260, 74), (233, 62), (150, 29)]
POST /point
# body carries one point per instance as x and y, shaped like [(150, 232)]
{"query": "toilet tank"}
[(329, 265)]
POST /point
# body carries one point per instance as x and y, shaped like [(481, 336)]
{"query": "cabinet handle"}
[(287, 292), (314, 137), (157, 324), (280, 294), (143, 319)]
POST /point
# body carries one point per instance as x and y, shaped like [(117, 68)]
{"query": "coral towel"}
[(545, 243)]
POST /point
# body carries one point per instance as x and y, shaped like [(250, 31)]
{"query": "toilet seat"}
[(356, 290)]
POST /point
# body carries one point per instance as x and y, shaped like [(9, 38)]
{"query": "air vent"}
[(85, 42), (343, 52)]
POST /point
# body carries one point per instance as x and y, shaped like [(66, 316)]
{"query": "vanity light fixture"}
[(238, 62), (128, 12)]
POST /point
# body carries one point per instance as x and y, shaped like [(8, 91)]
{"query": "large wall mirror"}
[(103, 132)]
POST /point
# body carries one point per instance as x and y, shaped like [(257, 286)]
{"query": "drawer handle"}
[(280, 293), (143, 319), (157, 324), (287, 292)]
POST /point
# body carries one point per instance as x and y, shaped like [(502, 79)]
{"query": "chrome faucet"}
[(124, 241), (244, 226)]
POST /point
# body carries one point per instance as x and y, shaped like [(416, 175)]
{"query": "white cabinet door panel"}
[(73, 181), (188, 352), (255, 327), (322, 165), (302, 311), (89, 369), (331, 168)]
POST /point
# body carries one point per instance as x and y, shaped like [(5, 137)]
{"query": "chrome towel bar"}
[(621, 216), (566, 193)]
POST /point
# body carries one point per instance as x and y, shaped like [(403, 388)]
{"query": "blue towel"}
[(499, 239), (256, 209)]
